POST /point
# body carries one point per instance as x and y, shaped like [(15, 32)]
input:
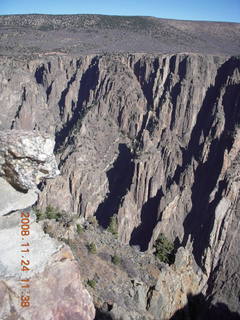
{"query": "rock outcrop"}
[(26, 158), (50, 284), (151, 138), (55, 287), (12, 200)]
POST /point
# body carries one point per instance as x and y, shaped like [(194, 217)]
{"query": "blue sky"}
[(214, 10)]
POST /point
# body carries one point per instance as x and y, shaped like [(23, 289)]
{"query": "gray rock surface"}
[(26, 158), (55, 287), (12, 200), (42, 247)]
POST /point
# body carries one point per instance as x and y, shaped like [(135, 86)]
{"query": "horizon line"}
[(119, 15)]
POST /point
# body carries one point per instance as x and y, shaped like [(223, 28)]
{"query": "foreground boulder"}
[(26, 157)]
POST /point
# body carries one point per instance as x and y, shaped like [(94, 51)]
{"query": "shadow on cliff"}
[(102, 315), (142, 235), (199, 308), (88, 82), (145, 80), (119, 180), (200, 220)]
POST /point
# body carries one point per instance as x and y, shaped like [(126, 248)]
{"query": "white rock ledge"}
[(12, 200)]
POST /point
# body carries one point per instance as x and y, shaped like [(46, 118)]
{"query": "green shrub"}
[(113, 225), (92, 247), (92, 283), (50, 213), (40, 215), (164, 249), (53, 213), (79, 229), (116, 259)]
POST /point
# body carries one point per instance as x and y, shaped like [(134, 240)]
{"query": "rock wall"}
[(153, 138)]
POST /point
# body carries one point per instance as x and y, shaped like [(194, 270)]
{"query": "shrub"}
[(116, 259), (51, 213), (39, 214), (164, 249), (92, 283), (79, 229), (92, 247), (113, 225)]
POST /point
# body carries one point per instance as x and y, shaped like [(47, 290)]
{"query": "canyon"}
[(152, 139)]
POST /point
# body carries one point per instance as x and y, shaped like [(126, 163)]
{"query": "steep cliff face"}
[(154, 139)]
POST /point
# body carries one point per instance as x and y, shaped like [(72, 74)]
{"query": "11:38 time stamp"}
[(25, 261)]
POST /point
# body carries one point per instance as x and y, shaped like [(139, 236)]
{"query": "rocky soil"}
[(24, 35)]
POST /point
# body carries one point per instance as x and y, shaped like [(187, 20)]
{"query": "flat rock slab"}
[(42, 247), (12, 200)]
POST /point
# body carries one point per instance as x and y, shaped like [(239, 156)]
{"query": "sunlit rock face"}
[(26, 157)]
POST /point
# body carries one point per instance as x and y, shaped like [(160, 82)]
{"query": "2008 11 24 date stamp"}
[(25, 262)]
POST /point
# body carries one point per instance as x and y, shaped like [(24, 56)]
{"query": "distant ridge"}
[(88, 33)]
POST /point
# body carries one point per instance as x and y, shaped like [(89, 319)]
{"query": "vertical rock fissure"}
[(23, 98), (119, 179), (147, 86), (40, 75), (142, 234), (64, 93), (88, 83)]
